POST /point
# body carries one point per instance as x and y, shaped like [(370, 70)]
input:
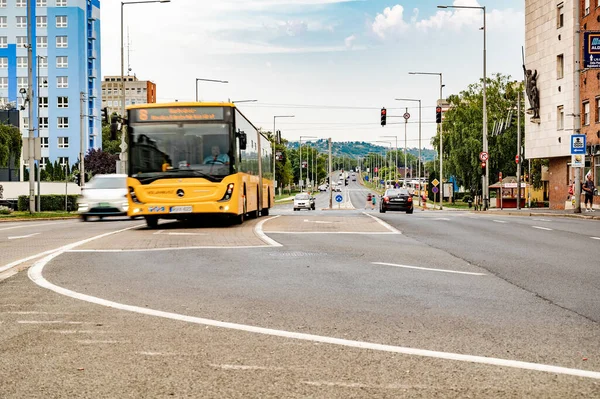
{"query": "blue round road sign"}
[(339, 198), (435, 190)]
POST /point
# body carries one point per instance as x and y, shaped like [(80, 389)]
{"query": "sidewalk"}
[(569, 213)]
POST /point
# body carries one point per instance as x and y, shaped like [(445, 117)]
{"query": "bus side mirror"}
[(243, 140)]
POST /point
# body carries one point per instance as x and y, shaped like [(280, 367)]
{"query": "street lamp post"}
[(274, 137), (396, 150), (123, 145), (440, 130), (207, 80), (419, 163), (485, 117), (300, 148)]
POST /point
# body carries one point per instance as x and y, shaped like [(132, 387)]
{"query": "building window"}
[(21, 83), (61, 21), (3, 83), (560, 16), (21, 62), (3, 21), (598, 107), (61, 3), (586, 8), (63, 102), (43, 122), (61, 42), (63, 142), (40, 3), (43, 81), (560, 117), (586, 113), (597, 174), (21, 3), (2, 3), (22, 41), (62, 82), (25, 122), (63, 161), (62, 62), (42, 41), (3, 42), (45, 160), (21, 22), (43, 62), (43, 102), (3, 62), (41, 21), (63, 123)]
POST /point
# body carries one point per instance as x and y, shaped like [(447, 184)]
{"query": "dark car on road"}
[(396, 199)]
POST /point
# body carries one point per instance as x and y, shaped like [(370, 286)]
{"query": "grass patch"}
[(38, 215)]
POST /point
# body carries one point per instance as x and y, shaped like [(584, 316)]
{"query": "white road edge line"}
[(500, 221), (384, 224), (258, 230), (541, 228), (64, 248), (333, 232), (35, 274), (27, 236), (167, 248), (595, 238), (24, 225), (427, 268)]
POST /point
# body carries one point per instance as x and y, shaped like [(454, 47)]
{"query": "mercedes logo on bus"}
[(180, 193)]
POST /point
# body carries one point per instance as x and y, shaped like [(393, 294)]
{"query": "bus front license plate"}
[(181, 209)]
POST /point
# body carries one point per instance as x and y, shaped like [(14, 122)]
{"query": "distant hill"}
[(359, 149)]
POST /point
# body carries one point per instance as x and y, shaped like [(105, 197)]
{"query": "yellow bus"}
[(191, 159)]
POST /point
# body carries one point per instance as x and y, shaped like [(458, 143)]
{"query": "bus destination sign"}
[(177, 114)]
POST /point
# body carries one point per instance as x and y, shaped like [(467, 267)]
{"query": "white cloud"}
[(390, 22), (349, 41), (293, 28), (237, 5)]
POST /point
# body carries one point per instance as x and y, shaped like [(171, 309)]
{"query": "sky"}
[(332, 64)]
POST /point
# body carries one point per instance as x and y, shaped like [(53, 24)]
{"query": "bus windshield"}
[(176, 150)]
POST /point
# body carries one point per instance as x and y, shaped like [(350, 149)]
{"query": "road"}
[(326, 303)]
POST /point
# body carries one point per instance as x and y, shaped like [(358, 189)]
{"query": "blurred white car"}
[(304, 201), (323, 187), (104, 195)]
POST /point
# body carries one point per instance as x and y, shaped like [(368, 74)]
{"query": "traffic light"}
[(383, 116), (105, 115), (438, 114), (77, 179), (483, 166)]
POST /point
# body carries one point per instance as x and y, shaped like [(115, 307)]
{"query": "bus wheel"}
[(239, 219), (254, 214), (265, 211), (152, 221)]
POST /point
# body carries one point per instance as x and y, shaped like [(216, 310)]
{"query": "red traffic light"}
[(483, 165), (383, 111), (438, 109)]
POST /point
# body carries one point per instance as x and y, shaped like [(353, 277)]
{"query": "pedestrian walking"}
[(369, 199), (373, 201), (588, 188)]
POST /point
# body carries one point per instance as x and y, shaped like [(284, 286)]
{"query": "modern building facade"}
[(136, 92), (550, 56), (66, 60)]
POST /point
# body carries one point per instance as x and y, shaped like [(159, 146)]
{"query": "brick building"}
[(136, 92)]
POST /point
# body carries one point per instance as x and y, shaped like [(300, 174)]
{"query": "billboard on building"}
[(591, 49)]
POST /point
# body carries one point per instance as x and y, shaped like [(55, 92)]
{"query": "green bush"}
[(459, 196), (50, 203), (4, 210)]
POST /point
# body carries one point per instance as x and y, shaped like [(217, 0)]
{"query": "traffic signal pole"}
[(330, 178)]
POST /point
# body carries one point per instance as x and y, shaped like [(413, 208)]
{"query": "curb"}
[(36, 219)]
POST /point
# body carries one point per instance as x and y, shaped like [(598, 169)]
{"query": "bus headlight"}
[(228, 193), (134, 197)]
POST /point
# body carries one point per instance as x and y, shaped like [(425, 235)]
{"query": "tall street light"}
[(419, 163), (207, 80), (275, 138), (440, 127), (123, 146), (243, 101), (303, 137), (396, 149), (486, 181)]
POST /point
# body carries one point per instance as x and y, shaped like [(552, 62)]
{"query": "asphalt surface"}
[(461, 283)]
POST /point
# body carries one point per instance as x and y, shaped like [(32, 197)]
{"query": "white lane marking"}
[(21, 313), (24, 225), (500, 221), (333, 232), (541, 228), (95, 341), (427, 268), (158, 354), (542, 220), (384, 224), (27, 236), (171, 248), (258, 230), (63, 248), (243, 367), (446, 219), (158, 232), (595, 238), (76, 331), (317, 221), (35, 274)]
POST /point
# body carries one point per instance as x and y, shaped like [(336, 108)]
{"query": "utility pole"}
[(577, 102), (330, 178), (518, 150), (81, 139), (405, 144), (30, 96)]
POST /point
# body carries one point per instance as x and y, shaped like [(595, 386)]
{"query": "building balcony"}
[(92, 54), (92, 74), (92, 35), (93, 93)]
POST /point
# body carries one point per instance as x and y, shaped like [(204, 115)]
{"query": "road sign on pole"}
[(339, 198), (435, 183), (406, 116), (483, 156), (578, 144), (435, 190)]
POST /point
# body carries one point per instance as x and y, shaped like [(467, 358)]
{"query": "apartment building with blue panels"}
[(66, 67)]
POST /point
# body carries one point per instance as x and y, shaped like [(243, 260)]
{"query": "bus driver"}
[(216, 157)]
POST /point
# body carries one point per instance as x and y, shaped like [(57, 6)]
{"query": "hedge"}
[(50, 203)]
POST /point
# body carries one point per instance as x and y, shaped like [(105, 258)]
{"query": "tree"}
[(100, 162), (10, 145), (108, 145)]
